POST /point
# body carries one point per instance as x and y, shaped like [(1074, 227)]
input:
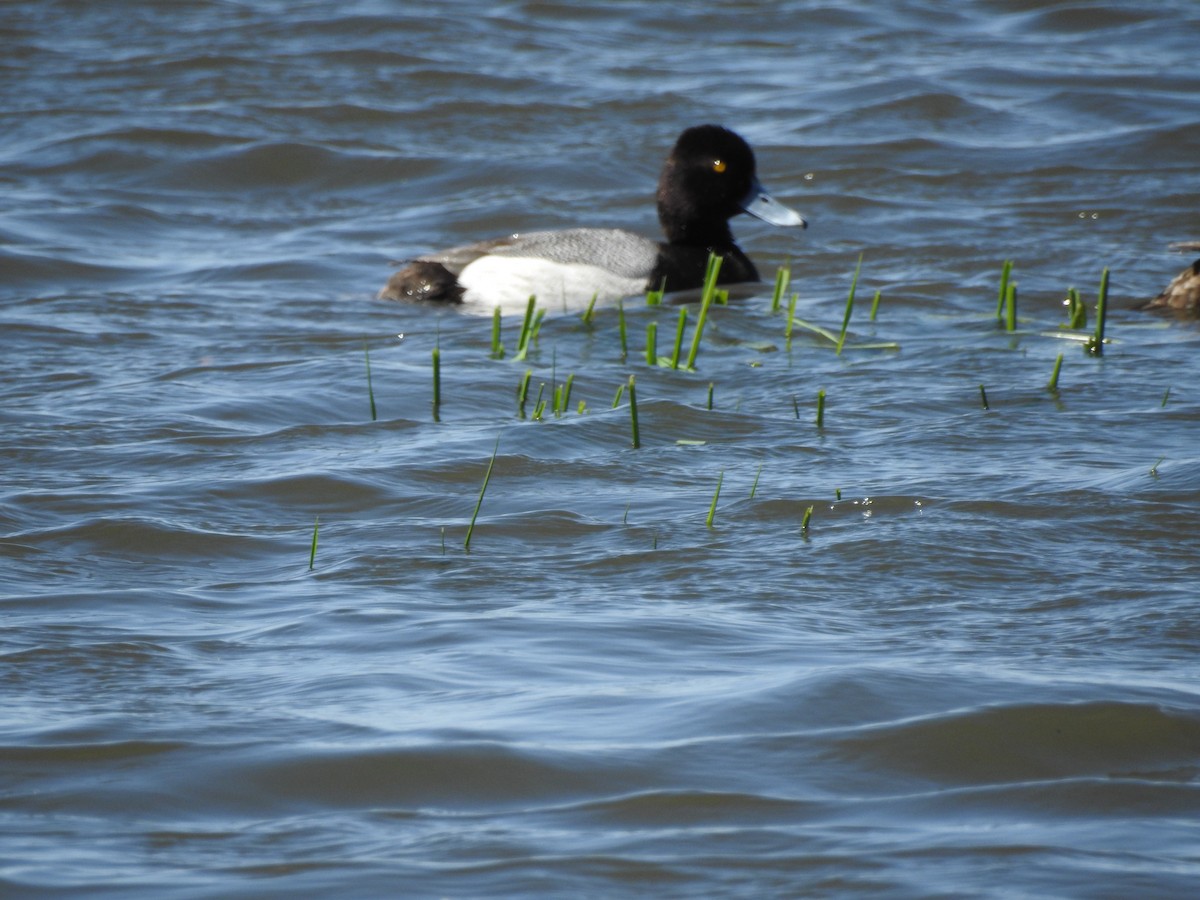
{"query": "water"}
[(975, 674)]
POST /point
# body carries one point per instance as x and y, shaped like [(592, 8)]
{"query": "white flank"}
[(508, 282)]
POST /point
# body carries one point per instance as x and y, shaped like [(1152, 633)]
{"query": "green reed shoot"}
[(1166, 395), (1076, 310), (539, 405), (633, 417), (706, 299), (983, 397), (651, 343), (589, 314), (821, 408), (370, 392), (312, 553), (523, 392), (497, 347), (712, 509), (538, 317), (804, 522), (1096, 345), (621, 329), (875, 305), (783, 275), (1010, 308), (655, 297), (1005, 274), (1153, 471), (754, 487), (562, 396), (791, 319), (437, 381), (1052, 387), (443, 540), (796, 406), (837, 493), (620, 394), (526, 330), (566, 401), (679, 337), (625, 518), (487, 476), (710, 395), (849, 306)]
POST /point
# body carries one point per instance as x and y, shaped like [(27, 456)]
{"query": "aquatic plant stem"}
[(1005, 273), (526, 330), (523, 392), (710, 287), (370, 391), (712, 509), (783, 275), (437, 381), (849, 306), (682, 324), (633, 414), (589, 314), (621, 329), (791, 319), (1096, 345), (312, 553), (1052, 386), (487, 476), (497, 347)]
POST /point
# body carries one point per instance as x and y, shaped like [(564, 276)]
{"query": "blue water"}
[(972, 673)]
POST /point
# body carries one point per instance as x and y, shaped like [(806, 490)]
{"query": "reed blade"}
[(437, 383), (712, 509), (312, 553), (487, 476), (1096, 345), (1005, 273), (1052, 386), (783, 275), (710, 287), (679, 337), (849, 306), (633, 414), (370, 391)]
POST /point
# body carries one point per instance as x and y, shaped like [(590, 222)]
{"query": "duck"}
[(1183, 293), (709, 176)]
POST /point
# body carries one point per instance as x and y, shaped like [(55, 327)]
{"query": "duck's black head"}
[(709, 177)]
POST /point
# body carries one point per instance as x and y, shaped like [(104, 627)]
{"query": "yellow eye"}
[(718, 165)]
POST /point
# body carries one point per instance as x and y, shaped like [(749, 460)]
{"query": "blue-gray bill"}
[(763, 206)]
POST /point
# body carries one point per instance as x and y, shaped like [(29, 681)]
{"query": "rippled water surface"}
[(973, 672)]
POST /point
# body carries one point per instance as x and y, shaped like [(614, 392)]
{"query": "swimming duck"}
[(1183, 292), (708, 178)]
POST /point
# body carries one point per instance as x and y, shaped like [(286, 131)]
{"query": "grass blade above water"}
[(487, 476)]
